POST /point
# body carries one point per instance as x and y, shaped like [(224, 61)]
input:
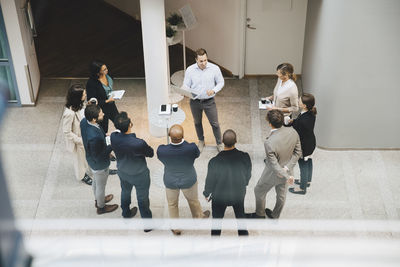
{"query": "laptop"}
[(185, 91)]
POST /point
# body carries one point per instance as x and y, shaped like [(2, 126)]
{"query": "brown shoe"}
[(206, 214), (107, 199), (107, 208), (176, 232)]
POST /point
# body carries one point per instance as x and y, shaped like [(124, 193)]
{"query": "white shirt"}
[(284, 87), (176, 144), (94, 124), (199, 81)]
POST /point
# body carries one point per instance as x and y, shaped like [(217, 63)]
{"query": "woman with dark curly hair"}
[(100, 86), (71, 119)]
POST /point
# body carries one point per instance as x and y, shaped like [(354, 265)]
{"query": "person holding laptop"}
[(205, 80)]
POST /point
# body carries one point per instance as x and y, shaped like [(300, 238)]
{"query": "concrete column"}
[(155, 57), (351, 65)]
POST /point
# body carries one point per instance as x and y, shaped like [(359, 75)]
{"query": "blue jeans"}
[(305, 173), (142, 184)]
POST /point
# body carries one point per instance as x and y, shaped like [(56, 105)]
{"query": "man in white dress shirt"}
[(205, 80)]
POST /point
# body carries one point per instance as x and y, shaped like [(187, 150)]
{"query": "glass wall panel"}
[(6, 79), (7, 76)]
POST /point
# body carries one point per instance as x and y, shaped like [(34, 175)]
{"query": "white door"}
[(274, 34)]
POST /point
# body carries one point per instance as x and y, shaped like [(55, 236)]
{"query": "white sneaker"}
[(220, 147), (201, 145)]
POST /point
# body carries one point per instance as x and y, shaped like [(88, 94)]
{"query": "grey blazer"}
[(282, 148)]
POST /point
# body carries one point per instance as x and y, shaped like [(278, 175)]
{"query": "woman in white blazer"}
[(72, 117), (285, 97)]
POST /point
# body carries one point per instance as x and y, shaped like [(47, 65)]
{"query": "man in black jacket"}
[(132, 166), (97, 156), (228, 175)]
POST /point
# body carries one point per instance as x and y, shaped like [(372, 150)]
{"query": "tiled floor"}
[(355, 185)]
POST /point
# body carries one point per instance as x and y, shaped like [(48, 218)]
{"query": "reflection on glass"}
[(3, 43), (5, 78)]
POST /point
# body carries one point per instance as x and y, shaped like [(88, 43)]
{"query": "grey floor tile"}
[(345, 185)]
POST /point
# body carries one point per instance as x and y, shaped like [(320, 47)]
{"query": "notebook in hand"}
[(117, 94), (185, 91)]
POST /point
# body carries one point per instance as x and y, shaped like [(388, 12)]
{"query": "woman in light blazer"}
[(285, 97), (72, 117)]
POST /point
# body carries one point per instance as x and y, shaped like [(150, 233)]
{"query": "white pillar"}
[(155, 57)]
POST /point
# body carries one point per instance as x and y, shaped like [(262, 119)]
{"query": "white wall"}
[(278, 37), (130, 7), (218, 29), (351, 64), (221, 31), (22, 48)]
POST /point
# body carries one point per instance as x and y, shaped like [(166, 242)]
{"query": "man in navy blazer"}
[(97, 156), (179, 174), (131, 153)]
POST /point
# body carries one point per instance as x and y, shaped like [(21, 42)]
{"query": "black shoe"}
[(297, 181), (248, 215), (269, 213), (112, 158), (300, 192), (112, 172), (253, 216), (132, 214), (147, 230), (243, 233), (87, 180)]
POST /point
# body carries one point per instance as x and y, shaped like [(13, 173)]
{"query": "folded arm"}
[(295, 156), (210, 180), (219, 81), (273, 162)]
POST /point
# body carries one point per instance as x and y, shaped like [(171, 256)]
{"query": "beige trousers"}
[(191, 197)]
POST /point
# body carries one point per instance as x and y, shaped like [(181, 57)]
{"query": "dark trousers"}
[(110, 112), (306, 168), (218, 212), (142, 185), (210, 108)]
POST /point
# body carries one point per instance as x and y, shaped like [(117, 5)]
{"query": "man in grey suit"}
[(283, 149)]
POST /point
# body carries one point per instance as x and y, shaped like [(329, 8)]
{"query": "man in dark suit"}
[(179, 174), (97, 156), (132, 166), (228, 175), (283, 149)]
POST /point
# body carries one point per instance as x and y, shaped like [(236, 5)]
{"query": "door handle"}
[(251, 27)]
